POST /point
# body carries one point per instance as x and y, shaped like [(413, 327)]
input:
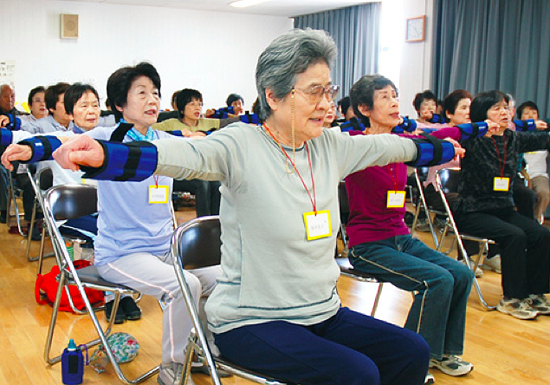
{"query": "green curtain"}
[(493, 44), (356, 31)]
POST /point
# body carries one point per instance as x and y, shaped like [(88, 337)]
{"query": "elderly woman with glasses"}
[(276, 308)]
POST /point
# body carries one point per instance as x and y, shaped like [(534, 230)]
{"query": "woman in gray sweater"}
[(275, 308)]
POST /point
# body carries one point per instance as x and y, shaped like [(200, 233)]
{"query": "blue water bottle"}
[(72, 365)]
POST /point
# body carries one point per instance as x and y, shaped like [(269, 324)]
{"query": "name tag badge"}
[(91, 182), (318, 226), (501, 184), (395, 199), (158, 195)]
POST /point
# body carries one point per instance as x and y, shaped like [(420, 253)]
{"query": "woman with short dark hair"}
[(486, 208)]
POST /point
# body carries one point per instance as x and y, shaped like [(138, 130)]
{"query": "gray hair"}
[(287, 56)]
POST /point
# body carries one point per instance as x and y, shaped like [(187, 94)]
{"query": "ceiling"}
[(287, 8)]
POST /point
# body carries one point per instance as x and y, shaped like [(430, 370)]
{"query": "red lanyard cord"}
[(314, 198), (393, 175), (503, 164)]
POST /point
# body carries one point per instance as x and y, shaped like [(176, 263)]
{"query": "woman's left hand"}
[(541, 124), (80, 150), (459, 151)]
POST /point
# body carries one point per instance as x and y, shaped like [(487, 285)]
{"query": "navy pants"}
[(347, 349)]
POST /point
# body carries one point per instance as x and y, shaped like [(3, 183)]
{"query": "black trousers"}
[(525, 248)]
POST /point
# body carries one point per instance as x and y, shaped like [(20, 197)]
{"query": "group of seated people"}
[(272, 304)]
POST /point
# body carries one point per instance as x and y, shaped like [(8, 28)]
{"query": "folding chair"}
[(447, 181), (69, 202), (196, 244), (41, 181), (13, 193), (421, 204)]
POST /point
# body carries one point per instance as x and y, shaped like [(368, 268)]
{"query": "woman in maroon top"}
[(381, 245)]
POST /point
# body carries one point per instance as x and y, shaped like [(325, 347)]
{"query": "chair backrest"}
[(197, 243), (450, 179), (45, 178), (344, 202), (66, 202), (71, 201)]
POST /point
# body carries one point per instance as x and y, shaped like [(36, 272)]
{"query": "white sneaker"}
[(519, 308), (171, 373), (452, 366), (430, 379), (493, 264), (478, 273)]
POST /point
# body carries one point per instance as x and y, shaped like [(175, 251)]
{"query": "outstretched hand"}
[(459, 151), (15, 152), (80, 150), (541, 124), (492, 128), (4, 120)]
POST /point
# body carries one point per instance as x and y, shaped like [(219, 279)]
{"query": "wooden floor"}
[(504, 350)]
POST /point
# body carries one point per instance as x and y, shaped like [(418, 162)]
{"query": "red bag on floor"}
[(46, 289)]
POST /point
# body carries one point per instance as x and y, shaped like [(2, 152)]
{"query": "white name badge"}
[(158, 194), (318, 226), (395, 199), (501, 184)]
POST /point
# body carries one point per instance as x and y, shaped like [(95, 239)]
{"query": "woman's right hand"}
[(4, 120), (80, 150), (15, 152)]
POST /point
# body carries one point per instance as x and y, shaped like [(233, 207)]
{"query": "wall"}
[(215, 53), (416, 58)]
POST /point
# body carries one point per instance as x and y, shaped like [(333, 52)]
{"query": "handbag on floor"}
[(46, 285)]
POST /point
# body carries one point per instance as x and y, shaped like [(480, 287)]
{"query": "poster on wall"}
[(7, 72)]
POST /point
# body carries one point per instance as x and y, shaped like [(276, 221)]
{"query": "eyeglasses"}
[(315, 93)]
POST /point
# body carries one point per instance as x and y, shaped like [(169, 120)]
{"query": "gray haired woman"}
[(276, 308)]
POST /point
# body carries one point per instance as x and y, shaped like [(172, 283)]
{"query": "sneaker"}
[(478, 273), (452, 366), (171, 373), (120, 316), (430, 379), (493, 264), (519, 308), (131, 310), (540, 303)]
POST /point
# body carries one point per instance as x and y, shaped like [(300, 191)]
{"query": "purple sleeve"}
[(448, 132)]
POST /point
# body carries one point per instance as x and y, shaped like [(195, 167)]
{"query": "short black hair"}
[(344, 104), (53, 92), (233, 98), (33, 92), (421, 96), (362, 93), (483, 102), (527, 104), (451, 101), (185, 97), (121, 80), (74, 93)]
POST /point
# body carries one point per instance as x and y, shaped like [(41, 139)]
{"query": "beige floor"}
[(504, 350)]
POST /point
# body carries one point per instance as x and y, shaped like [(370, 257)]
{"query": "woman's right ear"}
[(364, 110), (272, 100)]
